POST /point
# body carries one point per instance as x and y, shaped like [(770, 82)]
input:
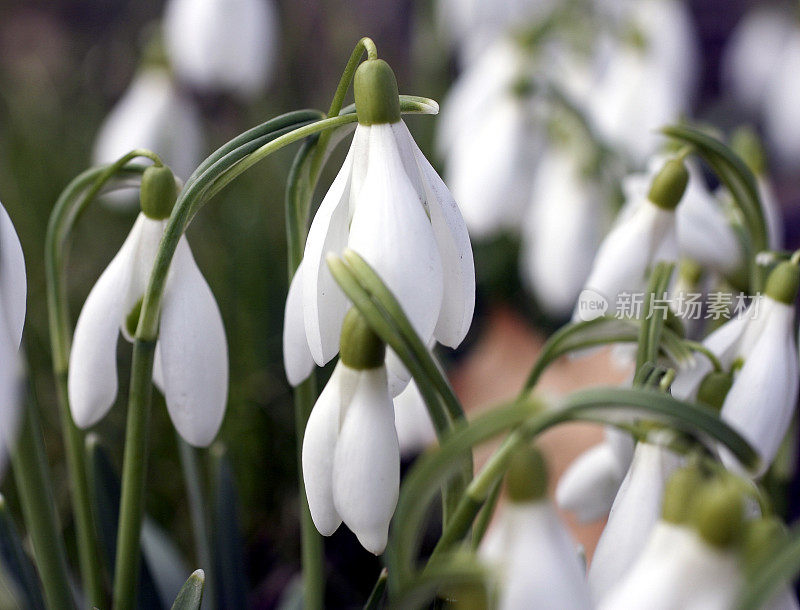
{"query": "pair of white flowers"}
[(388, 205), (191, 355), (13, 293)]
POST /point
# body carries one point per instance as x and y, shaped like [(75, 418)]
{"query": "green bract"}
[(158, 192), (377, 98), (360, 347), (669, 184)]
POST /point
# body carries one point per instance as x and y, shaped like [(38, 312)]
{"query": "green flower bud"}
[(375, 89), (526, 478), (714, 388), (678, 493), (746, 144), (759, 540), (669, 184), (359, 347), (783, 283), (158, 192), (718, 513)]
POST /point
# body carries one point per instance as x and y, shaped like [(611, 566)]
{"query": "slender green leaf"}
[(191, 594)]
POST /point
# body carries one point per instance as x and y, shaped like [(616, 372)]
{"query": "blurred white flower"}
[(351, 456), (649, 77), (677, 569), (389, 205), (751, 58), (191, 358), (151, 114), (781, 123), (635, 511), (223, 45), (562, 230), (13, 293), (590, 484)]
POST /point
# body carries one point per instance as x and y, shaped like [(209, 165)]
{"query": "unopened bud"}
[(669, 184), (526, 478), (678, 493), (158, 192), (375, 90), (783, 283), (718, 513), (714, 388)]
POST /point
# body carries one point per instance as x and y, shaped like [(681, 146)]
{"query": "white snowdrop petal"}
[(561, 233), (589, 485), (391, 231), (11, 390), (543, 569), (634, 513), (324, 304), (13, 282), (319, 446), (455, 249), (366, 469), (415, 429), (92, 378), (297, 359), (761, 401), (194, 352), (781, 123)]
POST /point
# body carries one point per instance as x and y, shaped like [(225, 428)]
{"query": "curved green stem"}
[(698, 347), (72, 201)]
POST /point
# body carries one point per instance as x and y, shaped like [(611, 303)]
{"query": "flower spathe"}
[(351, 456), (222, 45), (191, 355), (13, 293)]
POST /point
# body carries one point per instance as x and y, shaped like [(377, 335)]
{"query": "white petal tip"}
[(375, 540)]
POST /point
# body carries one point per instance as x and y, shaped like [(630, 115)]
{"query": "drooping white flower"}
[(191, 355), (590, 484), (761, 402), (13, 293), (151, 114), (648, 80), (388, 205), (223, 45), (561, 231), (643, 235), (536, 561), (351, 455), (690, 560), (635, 511), (781, 125)]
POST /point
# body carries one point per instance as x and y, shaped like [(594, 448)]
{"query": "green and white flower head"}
[(591, 482), (191, 355), (13, 293), (762, 399), (154, 115), (642, 236), (536, 560), (227, 46), (690, 560), (388, 205), (634, 512), (351, 455)]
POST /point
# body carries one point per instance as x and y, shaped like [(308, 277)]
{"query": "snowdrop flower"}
[(488, 164), (351, 455), (590, 484), (634, 513), (151, 114), (13, 293), (761, 402), (389, 206), (223, 45), (561, 231), (649, 79), (781, 125), (751, 58), (688, 562), (191, 355), (705, 234), (537, 562), (639, 239), (415, 430)]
